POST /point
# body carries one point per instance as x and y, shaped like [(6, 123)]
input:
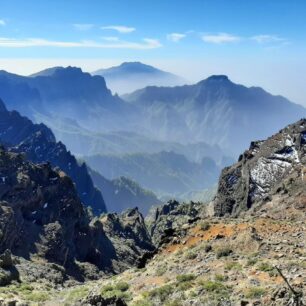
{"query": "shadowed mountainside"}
[(39, 145)]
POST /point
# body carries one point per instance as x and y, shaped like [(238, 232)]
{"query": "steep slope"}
[(165, 173), (39, 144), (123, 193), (273, 166), (42, 220), (210, 260), (64, 93), (215, 111), (19, 94), (130, 76)]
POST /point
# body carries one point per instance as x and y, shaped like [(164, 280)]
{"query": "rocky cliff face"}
[(263, 170), (171, 220), (41, 213), (37, 141), (42, 216)]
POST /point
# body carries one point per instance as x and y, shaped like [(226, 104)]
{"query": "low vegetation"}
[(223, 251)]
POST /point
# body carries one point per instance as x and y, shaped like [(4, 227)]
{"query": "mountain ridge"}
[(37, 141), (216, 111), (130, 76)]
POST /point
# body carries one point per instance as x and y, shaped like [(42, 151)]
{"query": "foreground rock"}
[(268, 167), (8, 271), (171, 221), (41, 215), (98, 300)]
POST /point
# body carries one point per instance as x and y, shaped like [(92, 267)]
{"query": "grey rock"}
[(266, 168), (6, 259)]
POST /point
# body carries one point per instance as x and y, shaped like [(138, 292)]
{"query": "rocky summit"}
[(269, 168), (246, 247)]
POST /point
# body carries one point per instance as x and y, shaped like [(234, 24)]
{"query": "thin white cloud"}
[(120, 29), (146, 43), (175, 37), (2, 22), (220, 38), (83, 26), (110, 38), (266, 38)]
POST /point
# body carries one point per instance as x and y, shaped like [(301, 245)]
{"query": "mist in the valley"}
[(172, 140)]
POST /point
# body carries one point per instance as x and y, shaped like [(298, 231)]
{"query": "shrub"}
[(223, 251), (162, 293), (204, 226), (191, 255), (254, 292), (213, 286), (77, 293), (173, 303), (122, 286), (219, 278), (232, 265), (251, 262), (118, 290), (160, 271), (265, 267), (185, 278), (184, 286), (143, 302), (107, 288), (37, 296)]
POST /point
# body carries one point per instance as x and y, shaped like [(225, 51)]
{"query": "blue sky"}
[(254, 42)]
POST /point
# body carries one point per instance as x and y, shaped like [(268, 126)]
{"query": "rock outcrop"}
[(8, 271), (172, 220), (42, 215), (129, 235), (263, 170)]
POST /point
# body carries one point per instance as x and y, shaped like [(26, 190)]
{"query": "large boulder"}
[(8, 271)]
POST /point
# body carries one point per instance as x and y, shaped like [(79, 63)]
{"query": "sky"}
[(256, 43)]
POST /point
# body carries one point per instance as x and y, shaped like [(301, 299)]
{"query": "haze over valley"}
[(170, 140)]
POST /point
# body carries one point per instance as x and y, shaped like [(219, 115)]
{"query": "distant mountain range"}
[(65, 93), (130, 76), (37, 141), (214, 118), (215, 111), (166, 173)]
